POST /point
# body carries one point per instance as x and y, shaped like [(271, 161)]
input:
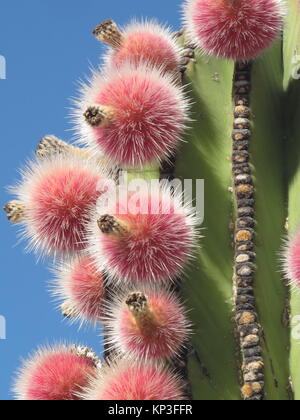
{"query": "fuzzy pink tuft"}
[(124, 381), (54, 375), (58, 195), (149, 115), (292, 260), (147, 42), (163, 337), (234, 29), (80, 283), (157, 244)]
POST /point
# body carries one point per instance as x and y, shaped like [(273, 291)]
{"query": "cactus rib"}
[(248, 327)]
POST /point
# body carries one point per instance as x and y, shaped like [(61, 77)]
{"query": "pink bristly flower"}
[(133, 116), (234, 29), (58, 195), (81, 286), (54, 374), (147, 243), (145, 41), (291, 260), (125, 380), (150, 323)]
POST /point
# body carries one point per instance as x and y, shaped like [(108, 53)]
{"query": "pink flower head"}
[(149, 323), (234, 29), (134, 115), (292, 260), (147, 42), (58, 195), (54, 374), (125, 380), (147, 238), (81, 285)]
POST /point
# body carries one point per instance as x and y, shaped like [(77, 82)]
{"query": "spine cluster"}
[(249, 330), (188, 56)]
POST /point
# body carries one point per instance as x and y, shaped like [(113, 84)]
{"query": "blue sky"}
[(48, 46)]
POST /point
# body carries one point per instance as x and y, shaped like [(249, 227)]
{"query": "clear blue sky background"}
[(48, 46)]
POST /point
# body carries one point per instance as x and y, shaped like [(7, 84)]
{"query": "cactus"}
[(218, 101)]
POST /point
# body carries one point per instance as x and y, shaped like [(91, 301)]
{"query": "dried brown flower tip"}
[(99, 116), (15, 211), (109, 33)]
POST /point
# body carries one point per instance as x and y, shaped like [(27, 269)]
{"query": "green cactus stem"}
[(243, 140)]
